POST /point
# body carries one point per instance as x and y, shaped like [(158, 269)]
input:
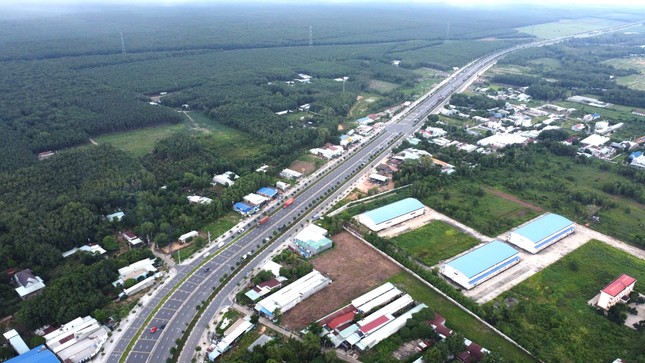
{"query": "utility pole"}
[(122, 45), (311, 36)]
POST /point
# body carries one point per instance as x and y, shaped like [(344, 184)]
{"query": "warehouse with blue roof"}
[(541, 232), (267, 192), (40, 354), (244, 209), (481, 264), (391, 214)]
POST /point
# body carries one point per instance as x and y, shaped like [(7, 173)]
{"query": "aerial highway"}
[(175, 303)]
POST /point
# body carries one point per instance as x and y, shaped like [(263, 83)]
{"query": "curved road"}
[(314, 196)]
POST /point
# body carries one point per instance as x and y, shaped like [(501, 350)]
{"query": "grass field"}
[(553, 317), (435, 242), (479, 209), (567, 27), (359, 109), (634, 81), (458, 320), (222, 224), (549, 63), (139, 142), (382, 86), (226, 141)]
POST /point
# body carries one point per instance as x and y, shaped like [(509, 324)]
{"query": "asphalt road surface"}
[(313, 196)]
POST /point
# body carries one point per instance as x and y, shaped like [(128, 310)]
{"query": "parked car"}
[(153, 330)]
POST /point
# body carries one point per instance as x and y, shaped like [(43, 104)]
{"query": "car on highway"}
[(162, 326), (153, 330)]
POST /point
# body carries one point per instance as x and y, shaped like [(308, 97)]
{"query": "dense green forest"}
[(65, 80)]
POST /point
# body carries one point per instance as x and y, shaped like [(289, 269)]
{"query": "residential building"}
[(481, 264), (617, 291), (199, 200), (231, 335), (89, 248), (312, 240), (16, 341), (77, 341), (391, 214), (136, 271), (380, 179), (500, 141), (115, 217), (27, 284), (282, 186), (290, 174), (226, 179), (186, 236), (132, 238), (265, 288), (540, 233)]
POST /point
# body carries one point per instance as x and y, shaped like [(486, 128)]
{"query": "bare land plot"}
[(382, 86), (306, 164), (354, 269)]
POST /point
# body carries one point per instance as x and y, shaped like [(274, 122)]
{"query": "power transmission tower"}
[(311, 36), (122, 45)]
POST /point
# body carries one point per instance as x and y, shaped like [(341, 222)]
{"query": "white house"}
[(225, 179), (28, 284), (290, 174), (199, 200), (184, 237), (617, 291)]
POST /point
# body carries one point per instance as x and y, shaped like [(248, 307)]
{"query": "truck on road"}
[(263, 220), (288, 202)]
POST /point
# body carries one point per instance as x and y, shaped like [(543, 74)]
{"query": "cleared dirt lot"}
[(354, 269), (304, 167)]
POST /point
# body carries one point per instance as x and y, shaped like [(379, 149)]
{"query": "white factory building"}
[(541, 232), (289, 296), (391, 214), (481, 264)]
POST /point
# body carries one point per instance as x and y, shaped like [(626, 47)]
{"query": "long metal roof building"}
[(541, 232), (391, 214), (481, 264)]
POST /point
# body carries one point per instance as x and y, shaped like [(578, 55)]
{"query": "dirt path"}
[(513, 198), (94, 142), (195, 124)]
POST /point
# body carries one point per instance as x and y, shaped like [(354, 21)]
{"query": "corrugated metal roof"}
[(618, 285), (39, 354), (391, 211), (542, 227), (482, 258)]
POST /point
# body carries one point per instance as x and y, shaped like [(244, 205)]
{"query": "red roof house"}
[(616, 291)]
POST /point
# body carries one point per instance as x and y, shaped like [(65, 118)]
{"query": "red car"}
[(153, 330)]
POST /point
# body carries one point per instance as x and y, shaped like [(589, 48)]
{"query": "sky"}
[(44, 3)]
